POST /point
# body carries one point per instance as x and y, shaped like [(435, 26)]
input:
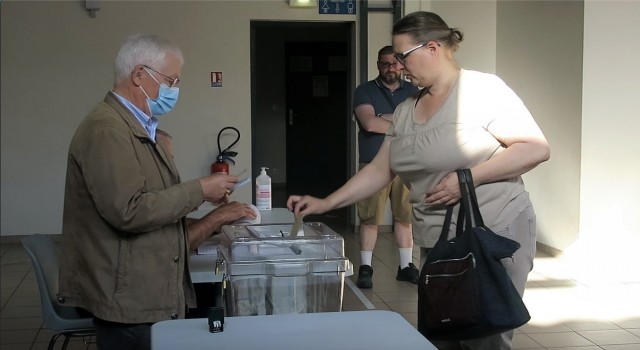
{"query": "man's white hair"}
[(143, 49)]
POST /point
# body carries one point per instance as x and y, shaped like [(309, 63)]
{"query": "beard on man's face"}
[(390, 77)]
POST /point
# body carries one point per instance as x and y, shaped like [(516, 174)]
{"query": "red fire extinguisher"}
[(221, 165)]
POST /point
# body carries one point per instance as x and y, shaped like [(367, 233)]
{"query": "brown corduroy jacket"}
[(124, 253)]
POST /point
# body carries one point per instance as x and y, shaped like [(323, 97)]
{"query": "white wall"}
[(610, 161)]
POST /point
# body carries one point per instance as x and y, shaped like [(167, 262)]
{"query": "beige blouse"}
[(457, 136)]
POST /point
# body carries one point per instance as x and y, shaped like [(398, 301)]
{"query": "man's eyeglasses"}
[(387, 65), (172, 81), (401, 57)]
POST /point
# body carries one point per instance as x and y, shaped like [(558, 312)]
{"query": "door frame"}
[(351, 128)]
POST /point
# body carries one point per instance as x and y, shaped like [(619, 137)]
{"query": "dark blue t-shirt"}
[(371, 93)]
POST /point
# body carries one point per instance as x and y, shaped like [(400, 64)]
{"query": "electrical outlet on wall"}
[(274, 171)]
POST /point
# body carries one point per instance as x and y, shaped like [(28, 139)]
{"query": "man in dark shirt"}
[(373, 106)]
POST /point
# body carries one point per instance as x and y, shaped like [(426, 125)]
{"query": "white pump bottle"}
[(263, 190)]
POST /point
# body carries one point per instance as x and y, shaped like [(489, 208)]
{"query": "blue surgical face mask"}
[(167, 98)]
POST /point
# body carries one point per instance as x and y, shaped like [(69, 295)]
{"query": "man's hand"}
[(230, 212), (199, 230), (216, 188)]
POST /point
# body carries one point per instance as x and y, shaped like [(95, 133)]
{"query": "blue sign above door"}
[(337, 7)]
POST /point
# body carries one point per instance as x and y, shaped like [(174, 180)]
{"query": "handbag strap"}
[(469, 212), (465, 222), (464, 216), (444, 234), (473, 199)]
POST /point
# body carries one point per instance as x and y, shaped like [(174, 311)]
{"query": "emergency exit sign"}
[(337, 7)]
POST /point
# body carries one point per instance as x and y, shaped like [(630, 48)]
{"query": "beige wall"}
[(379, 28), (540, 57), (582, 91), (57, 62), (477, 21)]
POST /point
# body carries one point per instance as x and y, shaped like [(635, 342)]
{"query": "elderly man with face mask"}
[(125, 239)]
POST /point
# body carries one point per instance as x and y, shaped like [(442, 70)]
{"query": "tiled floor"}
[(570, 309)]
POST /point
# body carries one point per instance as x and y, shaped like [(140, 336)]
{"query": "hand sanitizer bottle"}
[(263, 190)]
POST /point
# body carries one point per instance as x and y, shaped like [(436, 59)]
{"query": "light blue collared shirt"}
[(149, 124)]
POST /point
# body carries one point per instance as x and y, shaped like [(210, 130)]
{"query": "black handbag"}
[(464, 291)]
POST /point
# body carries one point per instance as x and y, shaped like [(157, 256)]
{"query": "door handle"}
[(292, 116)]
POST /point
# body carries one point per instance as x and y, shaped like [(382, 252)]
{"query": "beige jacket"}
[(124, 251)]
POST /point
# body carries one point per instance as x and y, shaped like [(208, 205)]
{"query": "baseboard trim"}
[(13, 239), (554, 252)]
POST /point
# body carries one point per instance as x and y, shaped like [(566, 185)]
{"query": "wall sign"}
[(216, 79), (337, 7)]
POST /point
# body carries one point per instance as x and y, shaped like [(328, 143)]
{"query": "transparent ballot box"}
[(266, 271)]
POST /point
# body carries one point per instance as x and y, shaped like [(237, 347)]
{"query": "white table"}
[(202, 266), (352, 330)]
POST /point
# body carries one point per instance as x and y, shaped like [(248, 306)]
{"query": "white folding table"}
[(352, 330)]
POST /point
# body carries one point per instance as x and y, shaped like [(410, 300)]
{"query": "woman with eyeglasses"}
[(460, 119)]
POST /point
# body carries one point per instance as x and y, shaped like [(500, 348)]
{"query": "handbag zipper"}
[(473, 265)]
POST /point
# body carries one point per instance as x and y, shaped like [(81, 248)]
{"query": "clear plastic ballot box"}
[(266, 271)]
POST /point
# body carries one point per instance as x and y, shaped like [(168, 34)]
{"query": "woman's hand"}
[(307, 205), (446, 192)]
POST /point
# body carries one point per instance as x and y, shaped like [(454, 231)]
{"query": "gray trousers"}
[(522, 230)]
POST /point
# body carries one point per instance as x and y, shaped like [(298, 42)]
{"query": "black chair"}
[(66, 320)]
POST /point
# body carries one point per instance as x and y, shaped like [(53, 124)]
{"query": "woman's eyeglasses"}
[(401, 57)]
